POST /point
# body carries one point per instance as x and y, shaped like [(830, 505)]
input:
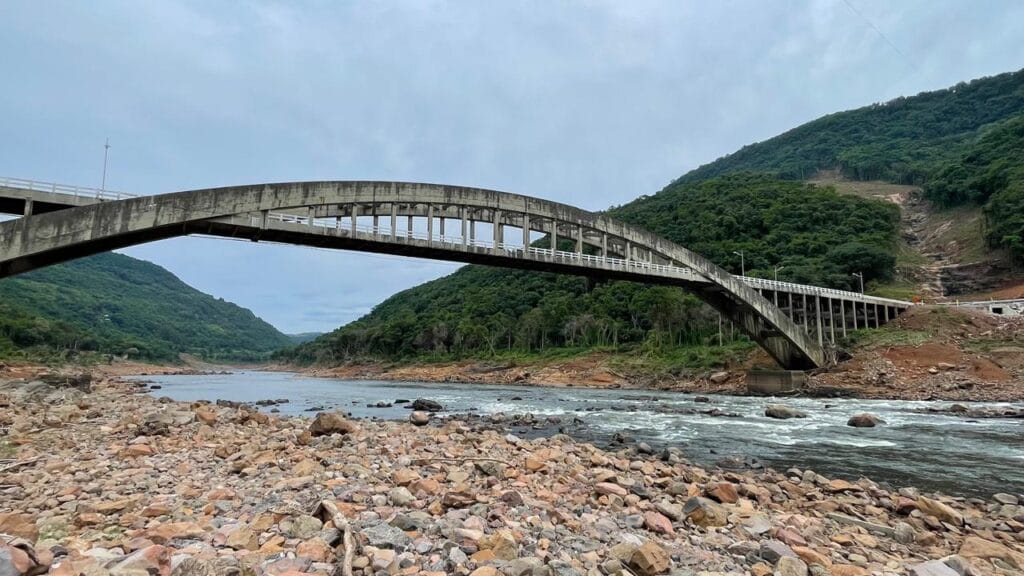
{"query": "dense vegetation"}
[(816, 234), (990, 172), (963, 144), (114, 304)]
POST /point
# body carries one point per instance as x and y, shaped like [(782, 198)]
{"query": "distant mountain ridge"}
[(114, 304)]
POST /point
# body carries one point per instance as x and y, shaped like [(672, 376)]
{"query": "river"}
[(930, 451)]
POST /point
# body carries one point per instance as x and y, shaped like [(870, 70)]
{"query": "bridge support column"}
[(376, 223), (831, 321), (394, 220), (854, 302), (465, 238), (441, 222), (526, 233), (498, 238), (263, 219), (311, 215), (355, 218), (554, 236), (579, 239), (430, 223), (886, 307), (408, 227), (604, 245), (803, 313), (842, 314), (629, 250), (28, 206), (818, 319)]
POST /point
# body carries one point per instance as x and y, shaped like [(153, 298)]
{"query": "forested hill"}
[(960, 144), (115, 304)]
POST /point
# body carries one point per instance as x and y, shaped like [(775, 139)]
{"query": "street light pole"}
[(743, 263), (106, 148), (860, 276), (777, 268)]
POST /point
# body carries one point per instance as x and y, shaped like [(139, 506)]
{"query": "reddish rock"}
[(724, 492), (332, 423), (650, 559), (18, 524), (659, 523)]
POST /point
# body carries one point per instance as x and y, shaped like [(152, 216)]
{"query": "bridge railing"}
[(620, 263), (776, 285), (76, 191)]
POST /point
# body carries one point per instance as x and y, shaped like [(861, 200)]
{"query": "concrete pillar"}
[(337, 222), (629, 250), (604, 245), (376, 222), (877, 323), (465, 238), (842, 310), (430, 223), (408, 226), (355, 218), (28, 206), (803, 313), (854, 302), (886, 307), (817, 321), (831, 321), (526, 233), (579, 239), (310, 216), (472, 229), (554, 235), (497, 229), (442, 226)]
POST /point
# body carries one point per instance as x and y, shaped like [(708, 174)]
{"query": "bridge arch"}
[(336, 214)]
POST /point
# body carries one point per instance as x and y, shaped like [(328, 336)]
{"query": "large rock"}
[(419, 418), (426, 405), (864, 420), (940, 510), (17, 524), (977, 547), (705, 512), (724, 492), (331, 423), (650, 559), (783, 412), (154, 560), (932, 568), (790, 566)]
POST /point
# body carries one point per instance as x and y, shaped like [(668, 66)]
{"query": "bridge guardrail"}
[(515, 249), (76, 191)]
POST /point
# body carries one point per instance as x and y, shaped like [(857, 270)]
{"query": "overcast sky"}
[(589, 103)]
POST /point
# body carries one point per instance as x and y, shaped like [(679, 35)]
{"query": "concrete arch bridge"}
[(796, 324)]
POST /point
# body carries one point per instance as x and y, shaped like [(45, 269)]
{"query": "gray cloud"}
[(588, 103)]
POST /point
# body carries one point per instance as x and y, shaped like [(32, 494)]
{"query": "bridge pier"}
[(775, 382), (28, 206)]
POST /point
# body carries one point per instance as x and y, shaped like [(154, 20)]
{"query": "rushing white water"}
[(913, 448)]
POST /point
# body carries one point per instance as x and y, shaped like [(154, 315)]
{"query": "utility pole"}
[(777, 268), (860, 276), (106, 149), (743, 262)]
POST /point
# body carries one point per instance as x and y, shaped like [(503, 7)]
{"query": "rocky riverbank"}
[(98, 479)]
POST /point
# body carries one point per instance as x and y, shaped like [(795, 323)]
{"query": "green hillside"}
[(751, 201), (114, 304)]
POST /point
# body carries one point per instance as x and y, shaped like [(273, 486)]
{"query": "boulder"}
[(932, 568), (790, 566), (940, 510), (705, 512), (783, 412), (650, 559), (977, 547), (419, 418), (724, 492), (719, 377), (864, 420), (331, 423), (426, 405), (17, 524)]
